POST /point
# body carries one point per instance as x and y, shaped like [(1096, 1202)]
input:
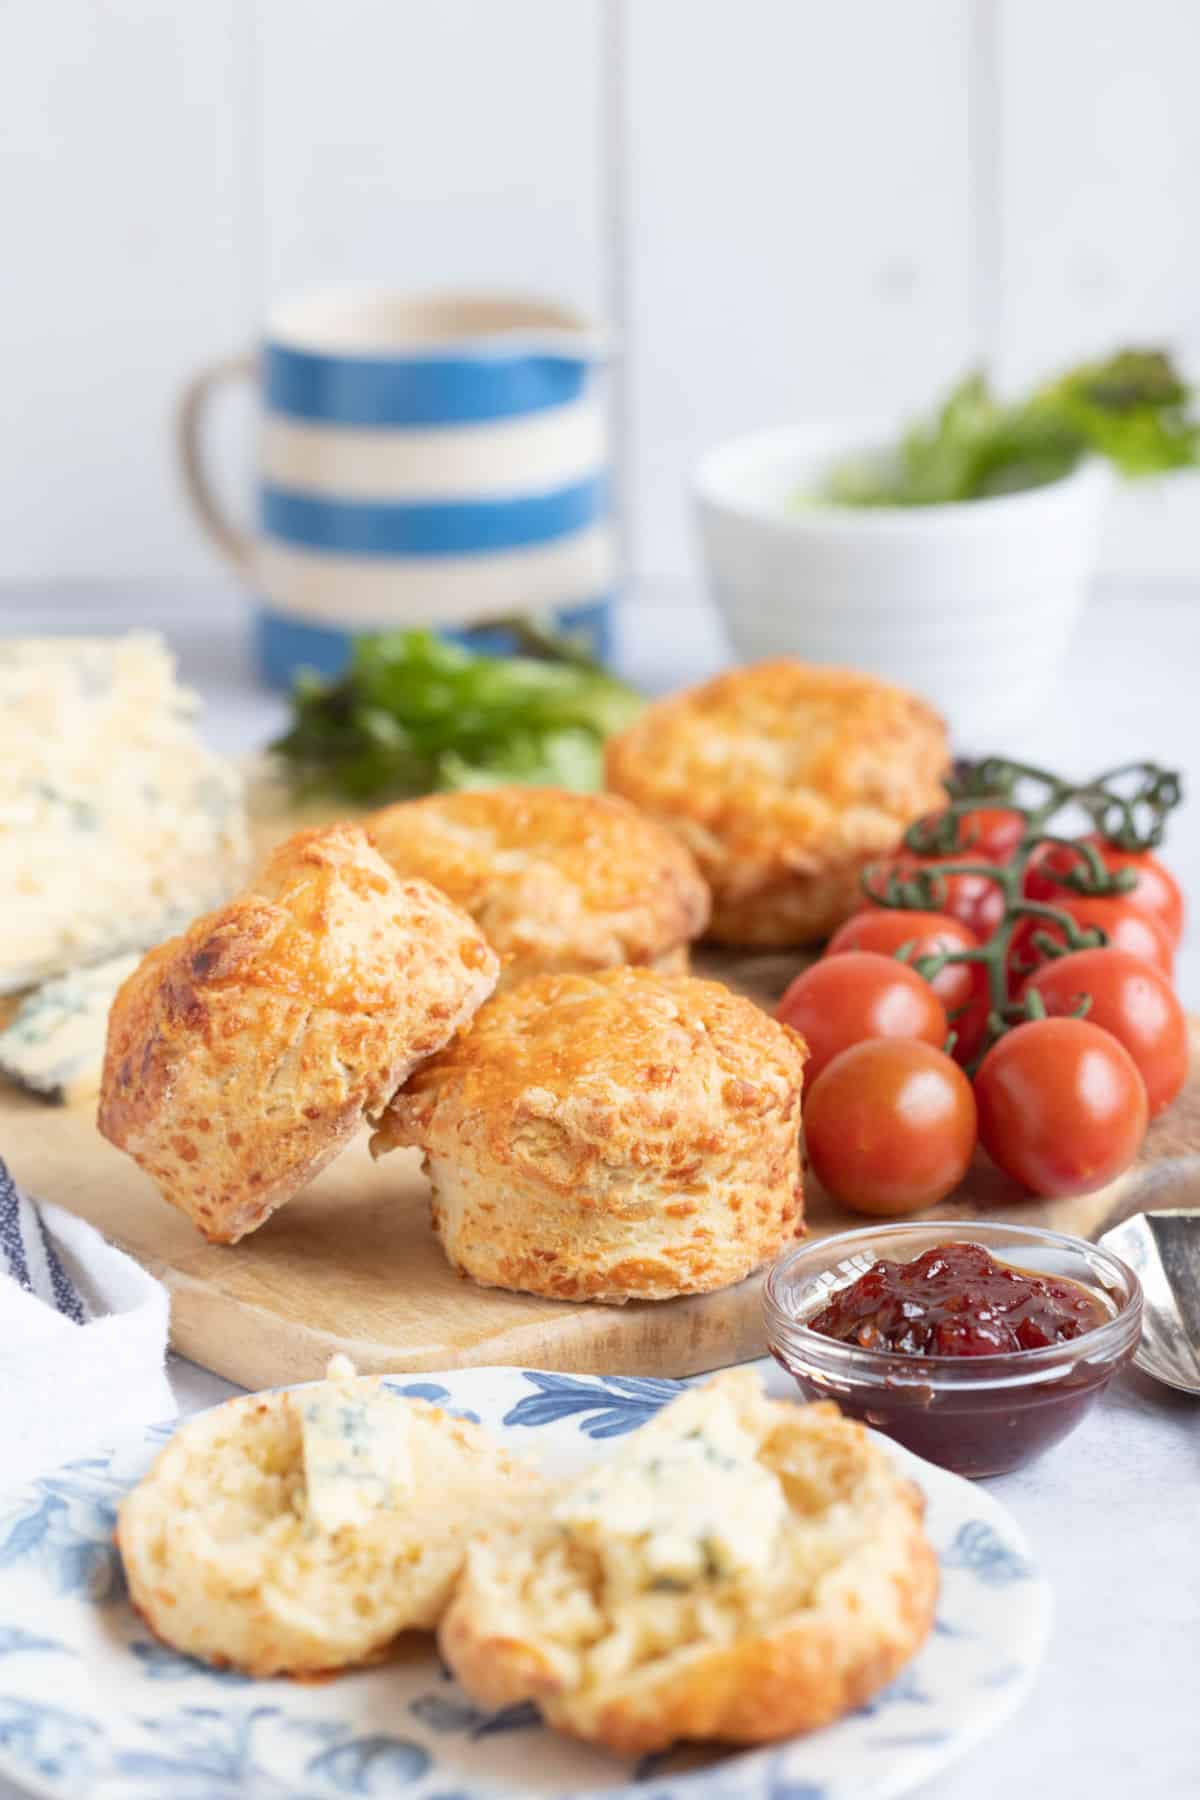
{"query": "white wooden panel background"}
[(129, 255), (1099, 181), (797, 225), (788, 208)]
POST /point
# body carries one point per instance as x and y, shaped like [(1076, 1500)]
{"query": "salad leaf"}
[(1133, 408), (413, 713)]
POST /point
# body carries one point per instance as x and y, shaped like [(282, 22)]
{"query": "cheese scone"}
[(294, 1532), (741, 1570), (784, 780), (555, 881), (243, 1055), (621, 1136)]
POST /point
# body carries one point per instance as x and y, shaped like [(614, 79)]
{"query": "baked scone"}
[(620, 1136), (554, 880), (743, 1569), (784, 780), (294, 1532), (244, 1054)]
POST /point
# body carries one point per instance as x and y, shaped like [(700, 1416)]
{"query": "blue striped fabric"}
[(29, 1258), (414, 390), (429, 528), (284, 644)]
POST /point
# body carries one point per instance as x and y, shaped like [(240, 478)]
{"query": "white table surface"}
[(1113, 1514)]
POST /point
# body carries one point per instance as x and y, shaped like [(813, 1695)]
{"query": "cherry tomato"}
[(885, 929), (843, 999), (974, 900), (1157, 893), (890, 1126), (1062, 1108), (1133, 1002), (969, 1023), (1123, 925), (988, 833)]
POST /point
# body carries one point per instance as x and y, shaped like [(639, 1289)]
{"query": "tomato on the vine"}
[(969, 1023), (989, 833), (1062, 1107), (1156, 892), (1132, 1001), (843, 999), (976, 901), (1123, 925), (889, 1126), (887, 929)]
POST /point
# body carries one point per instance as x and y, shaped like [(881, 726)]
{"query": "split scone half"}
[(242, 1056), (741, 1570), (296, 1532), (621, 1136), (785, 780), (554, 880)]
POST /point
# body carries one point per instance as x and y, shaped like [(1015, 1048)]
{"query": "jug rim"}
[(374, 321)]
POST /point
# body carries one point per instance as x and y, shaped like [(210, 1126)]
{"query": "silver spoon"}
[(1164, 1249)]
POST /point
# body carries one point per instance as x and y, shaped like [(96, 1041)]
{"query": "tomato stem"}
[(1128, 807)]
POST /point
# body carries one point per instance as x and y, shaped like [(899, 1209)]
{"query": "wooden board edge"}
[(200, 1317)]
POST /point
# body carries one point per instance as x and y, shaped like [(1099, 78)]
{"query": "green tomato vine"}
[(1127, 806)]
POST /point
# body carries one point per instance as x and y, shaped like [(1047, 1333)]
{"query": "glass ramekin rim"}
[(1102, 1341)]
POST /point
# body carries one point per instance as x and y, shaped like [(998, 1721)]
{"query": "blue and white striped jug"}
[(437, 462)]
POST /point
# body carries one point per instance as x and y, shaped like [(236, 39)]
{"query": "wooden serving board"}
[(352, 1264)]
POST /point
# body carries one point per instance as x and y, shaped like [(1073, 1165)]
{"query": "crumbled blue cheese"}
[(54, 1043), (686, 1493), (356, 1449), (117, 824)]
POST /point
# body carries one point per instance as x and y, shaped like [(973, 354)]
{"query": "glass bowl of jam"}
[(975, 1345)]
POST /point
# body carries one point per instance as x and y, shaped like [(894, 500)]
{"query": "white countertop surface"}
[(1114, 1513)]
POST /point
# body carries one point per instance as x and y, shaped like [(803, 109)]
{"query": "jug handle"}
[(235, 544)]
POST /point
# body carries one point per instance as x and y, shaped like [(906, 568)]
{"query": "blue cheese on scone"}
[(117, 823), (356, 1449), (685, 1499), (54, 1043)]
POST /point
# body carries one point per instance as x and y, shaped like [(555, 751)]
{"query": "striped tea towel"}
[(83, 1339)]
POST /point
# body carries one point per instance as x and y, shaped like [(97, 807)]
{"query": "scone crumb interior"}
[(731, 1528), (227, 1560)]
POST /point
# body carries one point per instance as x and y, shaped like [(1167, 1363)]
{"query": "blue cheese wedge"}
[(54, 1044), (117, 824), (356, 1449), (685, 1500)]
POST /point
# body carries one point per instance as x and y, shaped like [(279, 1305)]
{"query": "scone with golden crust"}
[(742, 1570), (234, 1554), (784, 780), (243, 1055), (628, 1135), (554, 880)]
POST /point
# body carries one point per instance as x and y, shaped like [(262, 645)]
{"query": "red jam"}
[(956, 1300)]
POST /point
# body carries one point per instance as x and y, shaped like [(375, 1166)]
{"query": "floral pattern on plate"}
[(89, 1703)]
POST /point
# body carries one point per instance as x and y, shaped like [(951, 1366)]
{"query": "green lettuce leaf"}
[(414, 714), (1133, 409)]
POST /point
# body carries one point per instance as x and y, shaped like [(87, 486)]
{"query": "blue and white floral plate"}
[(91, 1705)]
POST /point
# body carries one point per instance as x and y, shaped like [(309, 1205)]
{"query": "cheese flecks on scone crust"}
[(243, 1055), (784, 780), (744, 1569), (259, 1541), (628, 1135), (556, 881)]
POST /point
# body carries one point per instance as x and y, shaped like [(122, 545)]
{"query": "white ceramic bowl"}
[(971, 605)]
